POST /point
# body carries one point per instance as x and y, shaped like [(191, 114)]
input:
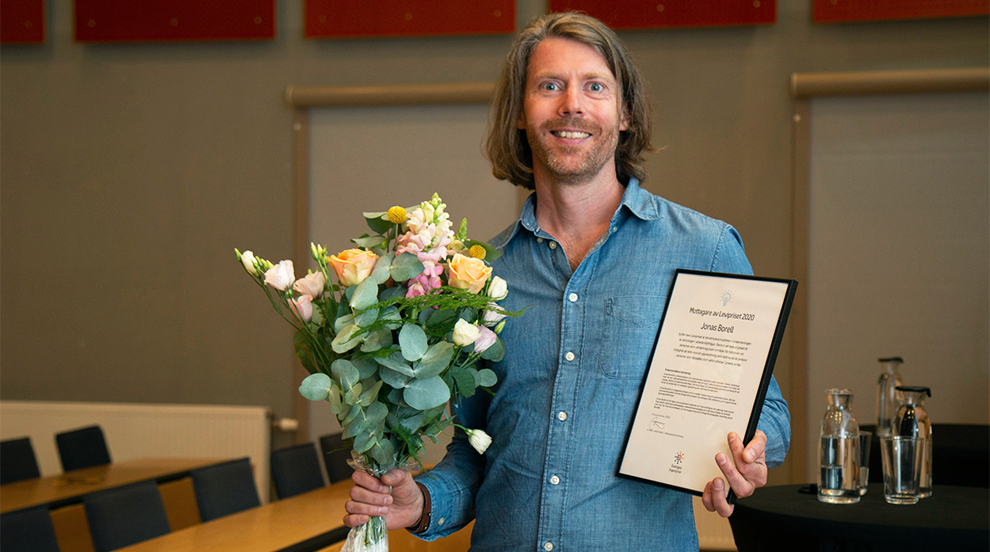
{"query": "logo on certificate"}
[(726, 297), (679, 457)]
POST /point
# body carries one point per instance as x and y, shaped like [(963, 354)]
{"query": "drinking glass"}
[(902, 459), (865, 437)]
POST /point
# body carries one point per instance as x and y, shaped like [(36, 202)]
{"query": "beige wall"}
[(128, 173)]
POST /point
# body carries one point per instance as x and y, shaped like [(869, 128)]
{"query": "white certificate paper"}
[(708, 375)]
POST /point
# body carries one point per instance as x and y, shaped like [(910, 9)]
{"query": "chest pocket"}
[(629, 328)]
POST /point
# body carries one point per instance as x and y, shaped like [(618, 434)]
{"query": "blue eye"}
[(596, 87), (549, 86)]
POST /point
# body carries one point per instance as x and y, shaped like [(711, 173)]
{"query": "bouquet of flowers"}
[(397, 337)]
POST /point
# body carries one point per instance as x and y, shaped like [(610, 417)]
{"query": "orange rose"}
[(353, 266), (467, 273)]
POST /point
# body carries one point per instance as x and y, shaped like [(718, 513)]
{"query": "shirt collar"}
[(636, 200)]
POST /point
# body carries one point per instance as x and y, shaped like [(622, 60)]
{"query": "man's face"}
[(572, 111)]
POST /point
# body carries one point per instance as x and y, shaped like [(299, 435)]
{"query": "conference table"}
[(790, 517), (69, 488), (305, 522)]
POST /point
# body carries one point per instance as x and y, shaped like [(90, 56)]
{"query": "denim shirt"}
[(568, 386)]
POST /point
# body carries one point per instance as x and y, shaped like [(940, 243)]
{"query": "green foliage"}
[(385, 363)]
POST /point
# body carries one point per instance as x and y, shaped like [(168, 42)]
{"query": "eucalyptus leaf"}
[(496, 352), (364, 441), (426, 393), (345, 373), (391, 293), (369, 242), (370, 395), (381, 272), (395, 397), (390, 314), (465, 382), (366, 318), (383, 452), (351, 395), (442, 317), (373, 341), (342, 322), (347, 339), (396, 362), (392, 378), (485, 377), (412, 423), (436, 359), (406, 266), (316, 386), (365, 295), (334, 398), (413, 342), (366, 367)]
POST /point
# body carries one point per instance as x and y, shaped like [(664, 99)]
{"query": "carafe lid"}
[(908, 389), (892, 359)]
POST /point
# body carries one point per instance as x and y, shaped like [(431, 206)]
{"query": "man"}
[(593, 255)]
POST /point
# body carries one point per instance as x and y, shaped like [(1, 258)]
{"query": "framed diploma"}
[(708, 375)]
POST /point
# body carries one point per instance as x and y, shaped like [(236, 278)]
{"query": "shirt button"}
[(562, 415), (440, 521), (539, 240), (553, 245), (554, 480), (572, 298), (548, 546), (569, 356)]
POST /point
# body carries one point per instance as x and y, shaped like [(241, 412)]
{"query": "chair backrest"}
[(296, 470), (336, 453), (82, 448), (17, 461), (224, 489), (28, 530), (123, 516)]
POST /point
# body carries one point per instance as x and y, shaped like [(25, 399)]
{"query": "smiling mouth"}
[(570, 134)]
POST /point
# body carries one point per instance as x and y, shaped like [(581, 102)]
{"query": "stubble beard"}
[(566, 164)]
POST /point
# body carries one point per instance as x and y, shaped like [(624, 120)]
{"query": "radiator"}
[(146, 430)]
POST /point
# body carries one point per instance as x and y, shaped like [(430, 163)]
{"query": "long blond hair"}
[(506, 145)]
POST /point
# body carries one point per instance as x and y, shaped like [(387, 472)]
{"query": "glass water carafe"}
[(888, 398), (838, 451), (912, 421)]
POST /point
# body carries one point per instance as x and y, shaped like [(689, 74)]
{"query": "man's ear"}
[(624, 123), (521, 121)]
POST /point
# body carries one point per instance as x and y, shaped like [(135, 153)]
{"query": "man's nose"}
[(572, 102)]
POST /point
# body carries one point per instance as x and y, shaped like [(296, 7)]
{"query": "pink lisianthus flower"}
[(302, 307), (486, 338)]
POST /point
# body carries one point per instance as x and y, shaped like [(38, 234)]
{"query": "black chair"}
[(336, 453), (82, 448), (28, 530), (296, 470), (17, 461), (126, 515), (224, 489)]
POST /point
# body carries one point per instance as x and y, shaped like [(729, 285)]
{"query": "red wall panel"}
[(22, 21), (375, 18), (163, 20), (652, 14), (835, 11)]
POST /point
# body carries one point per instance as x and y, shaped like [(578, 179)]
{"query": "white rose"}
[(280, 276), (478, 439), (465, 333), (497, 288)]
